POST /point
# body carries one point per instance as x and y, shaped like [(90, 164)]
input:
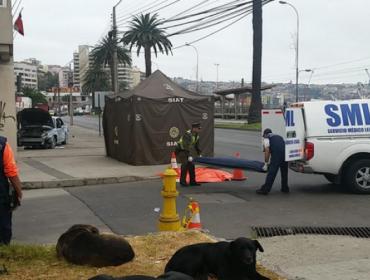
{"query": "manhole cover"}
[(215, 198), (360, 232)]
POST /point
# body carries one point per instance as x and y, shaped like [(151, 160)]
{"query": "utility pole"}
[(70, 85), (115, 60), (59, 113), (217, 64)]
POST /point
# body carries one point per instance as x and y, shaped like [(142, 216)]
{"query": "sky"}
[(333, 38)]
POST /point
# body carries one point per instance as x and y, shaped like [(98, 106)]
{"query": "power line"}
[(211, 19), (127, 10), (207, 23), (343, 63), (222, 7), (128, 16), (204, 37), (189, 9)]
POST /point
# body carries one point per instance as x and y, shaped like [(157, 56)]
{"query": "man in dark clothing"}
[(189, 140), (274, 145), (8, 171)]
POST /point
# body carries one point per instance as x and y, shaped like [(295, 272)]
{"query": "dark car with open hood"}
[(37, 128)]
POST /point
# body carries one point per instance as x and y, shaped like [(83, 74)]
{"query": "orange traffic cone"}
[(174, 166), (195, 220), (238, 174), (173, 161)]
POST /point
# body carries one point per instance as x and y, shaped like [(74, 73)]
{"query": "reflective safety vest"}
[(194, 140), (4, 183)]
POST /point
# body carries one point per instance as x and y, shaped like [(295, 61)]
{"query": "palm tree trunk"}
[(148, 61), (254, 114)]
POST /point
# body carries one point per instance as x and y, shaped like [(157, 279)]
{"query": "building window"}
[(3, 3)]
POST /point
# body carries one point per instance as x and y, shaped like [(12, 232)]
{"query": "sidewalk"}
[(81, 162)]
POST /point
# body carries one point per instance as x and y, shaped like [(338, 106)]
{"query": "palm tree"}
[(96, 78), (103, 54), (254, 114), (145, 33), (35, 95)]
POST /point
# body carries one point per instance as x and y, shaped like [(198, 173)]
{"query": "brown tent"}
[(142, 126)]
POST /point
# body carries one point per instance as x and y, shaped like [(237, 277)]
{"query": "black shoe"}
[(184, 184), (285, 190), (261, 192), (195, 184)]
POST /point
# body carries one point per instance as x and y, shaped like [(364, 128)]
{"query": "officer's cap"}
[(266, 131), (196, 125)]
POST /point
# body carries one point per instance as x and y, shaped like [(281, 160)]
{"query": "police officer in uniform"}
[(275, 146), (8, 171), (189, 140)]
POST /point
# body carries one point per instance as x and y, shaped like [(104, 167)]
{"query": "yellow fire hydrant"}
[(169, 220)]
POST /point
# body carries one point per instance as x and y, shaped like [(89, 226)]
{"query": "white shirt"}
[(266, 142)]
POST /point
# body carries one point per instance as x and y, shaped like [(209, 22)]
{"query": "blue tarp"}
[(236, 163)]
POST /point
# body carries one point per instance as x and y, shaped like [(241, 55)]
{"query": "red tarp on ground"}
[(206, 175)]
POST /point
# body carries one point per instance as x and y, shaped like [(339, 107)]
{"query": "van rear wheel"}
[(358, 177)]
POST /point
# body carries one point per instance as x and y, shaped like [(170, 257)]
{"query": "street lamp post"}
[(297, 42), (309, 80), (197, 88), (217, 64), (115, 59), (305, 70)]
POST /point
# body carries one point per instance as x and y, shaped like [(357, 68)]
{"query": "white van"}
[(331, 138)]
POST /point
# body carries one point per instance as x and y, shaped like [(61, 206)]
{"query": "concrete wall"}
[(8, 125)]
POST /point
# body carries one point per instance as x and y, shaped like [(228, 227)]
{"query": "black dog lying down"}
[(83, 245), (173, 275), (234, 260)]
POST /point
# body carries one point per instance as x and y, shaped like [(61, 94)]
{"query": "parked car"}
[(39, 129), (78, 112)]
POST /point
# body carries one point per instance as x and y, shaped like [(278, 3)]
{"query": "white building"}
[(63, 77), (137, 76), (28, 73), (82, 61)]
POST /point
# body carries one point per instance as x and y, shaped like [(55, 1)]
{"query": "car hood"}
[(32, 117)]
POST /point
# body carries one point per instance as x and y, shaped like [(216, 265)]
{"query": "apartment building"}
[(137, 76), (28, 73), (82, 61), (63, 77)]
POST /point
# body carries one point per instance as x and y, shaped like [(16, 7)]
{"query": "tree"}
[(96, 78), (254, 114), (122, 86), (103, 54), (46, 80), (145, 33), (35, 95)]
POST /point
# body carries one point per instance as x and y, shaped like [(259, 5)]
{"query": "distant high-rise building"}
[(28, 73), (82, 61), (63, 77)]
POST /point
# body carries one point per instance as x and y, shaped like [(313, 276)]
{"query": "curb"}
[(78, 182)]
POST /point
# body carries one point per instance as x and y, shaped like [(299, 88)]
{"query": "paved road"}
[(84, 121), (228, 209)]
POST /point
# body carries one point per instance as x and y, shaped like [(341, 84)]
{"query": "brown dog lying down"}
[(83, 245), (172, 275)]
